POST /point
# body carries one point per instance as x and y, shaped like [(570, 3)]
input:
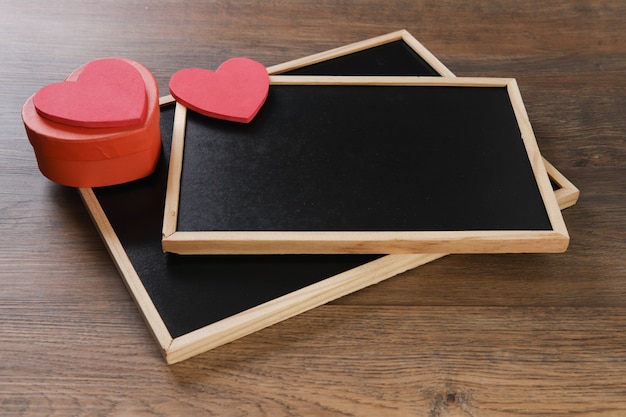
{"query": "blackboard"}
[(366, 165), (194, 303)]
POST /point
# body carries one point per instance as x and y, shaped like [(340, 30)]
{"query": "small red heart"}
[(235, 91), (108, 93)]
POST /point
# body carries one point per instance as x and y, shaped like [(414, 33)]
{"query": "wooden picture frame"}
[(325, 230), (132, 237)]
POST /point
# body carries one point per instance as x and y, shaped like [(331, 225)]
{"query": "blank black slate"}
[(362, 158)]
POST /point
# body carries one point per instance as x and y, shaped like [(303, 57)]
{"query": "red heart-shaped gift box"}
[(83, 138)]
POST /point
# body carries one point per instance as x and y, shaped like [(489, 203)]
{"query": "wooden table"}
[(467, 335)]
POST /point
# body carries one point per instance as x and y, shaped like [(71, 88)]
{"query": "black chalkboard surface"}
[(379, 158), (194, 303)]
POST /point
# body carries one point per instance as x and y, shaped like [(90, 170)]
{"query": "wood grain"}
[(467, 335)]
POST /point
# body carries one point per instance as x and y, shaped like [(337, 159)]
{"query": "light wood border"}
[(213, 335), (403, 35), (567, 193), (291, 242)]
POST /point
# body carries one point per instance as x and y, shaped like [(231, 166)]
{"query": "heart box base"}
[(95, 157)]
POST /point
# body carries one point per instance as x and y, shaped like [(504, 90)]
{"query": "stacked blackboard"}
[(364, 162)]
